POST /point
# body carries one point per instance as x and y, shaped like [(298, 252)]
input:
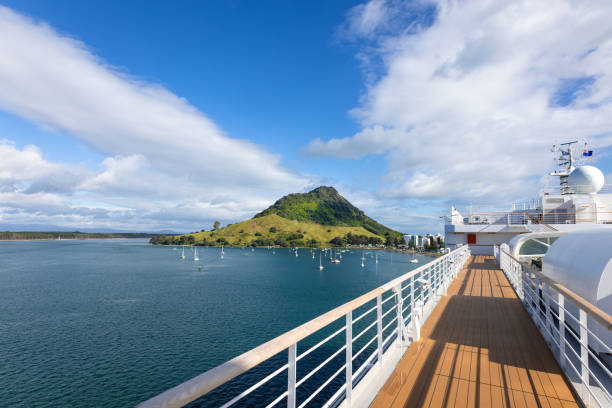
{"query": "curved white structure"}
[(521, 246), (582, 261), (586, 180)]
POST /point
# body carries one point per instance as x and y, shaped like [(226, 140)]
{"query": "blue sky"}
[(167, 116)]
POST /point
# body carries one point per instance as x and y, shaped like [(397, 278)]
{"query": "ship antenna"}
[(566, 160)]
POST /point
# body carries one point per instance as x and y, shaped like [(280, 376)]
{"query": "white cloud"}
[(469, 106), (163, 153), (364, 19)]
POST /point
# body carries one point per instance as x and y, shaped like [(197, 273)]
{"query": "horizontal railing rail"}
[(528, 217), (566, 320), (401, 306)]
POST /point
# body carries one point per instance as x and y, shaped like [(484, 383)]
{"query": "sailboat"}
[(320, 264), (335, 260), (362, 259), (222, 253), (414, 260), (376, 258), (195, 255), (296, 252), (183, 253)]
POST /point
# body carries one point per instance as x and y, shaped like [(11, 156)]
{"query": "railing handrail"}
[(596, 313), (200, 385)]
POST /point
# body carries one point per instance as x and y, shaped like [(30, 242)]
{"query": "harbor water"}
[(114, 322)]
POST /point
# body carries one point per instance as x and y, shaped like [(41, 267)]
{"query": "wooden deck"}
[(479, 347)]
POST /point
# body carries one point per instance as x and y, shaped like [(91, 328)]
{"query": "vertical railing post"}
[(291, 376), (527, 291), (412, 294), (537, 298), (349, 357), (379, 326), (584, 349), (522, 283), (549, 335), (400, 318), (561, 300), (534, 296)]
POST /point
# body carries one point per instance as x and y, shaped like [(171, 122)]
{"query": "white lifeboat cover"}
[(582, 262)]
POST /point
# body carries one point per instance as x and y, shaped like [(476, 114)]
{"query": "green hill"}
[(321, 217), (325, 206)]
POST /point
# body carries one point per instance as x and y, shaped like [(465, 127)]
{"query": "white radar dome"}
[(586, 179)]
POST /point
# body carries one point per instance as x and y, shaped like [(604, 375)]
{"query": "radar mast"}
[(566, 163)]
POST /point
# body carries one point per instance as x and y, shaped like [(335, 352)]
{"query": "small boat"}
[(414, 260), (195, 255), (183, 253)]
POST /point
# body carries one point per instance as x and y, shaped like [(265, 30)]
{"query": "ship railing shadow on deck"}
[(486, 326), (575, 331)]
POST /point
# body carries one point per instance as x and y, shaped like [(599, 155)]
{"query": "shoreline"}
[(63, 239), (404, 251)]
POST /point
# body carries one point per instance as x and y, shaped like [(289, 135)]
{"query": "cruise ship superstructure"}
[(582, 199)]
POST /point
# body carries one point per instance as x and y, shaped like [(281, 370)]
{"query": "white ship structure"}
[(581, 200)]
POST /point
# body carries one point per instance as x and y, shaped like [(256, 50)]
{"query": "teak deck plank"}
[(479, 347)]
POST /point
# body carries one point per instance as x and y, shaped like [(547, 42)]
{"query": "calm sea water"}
[(114, 322)]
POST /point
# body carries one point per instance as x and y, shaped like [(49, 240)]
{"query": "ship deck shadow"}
[(479, 347)]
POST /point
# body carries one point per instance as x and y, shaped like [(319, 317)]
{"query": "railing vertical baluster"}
[(534, 297), (584, 349), (538, 306), (291, 376), (400, 318), (527, 286), (561, 300), (379, 326), (548, 320), (412, 294), (349, 357)]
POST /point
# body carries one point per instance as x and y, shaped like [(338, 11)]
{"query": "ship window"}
[(536, 246)]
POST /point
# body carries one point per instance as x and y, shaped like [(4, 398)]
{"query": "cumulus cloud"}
[(162, 152), (469, 105)]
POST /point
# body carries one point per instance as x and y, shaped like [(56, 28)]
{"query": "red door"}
[(471, 238)]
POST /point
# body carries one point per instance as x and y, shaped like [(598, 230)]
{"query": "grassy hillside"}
[(325, 206), (321, 217), (276, 230)]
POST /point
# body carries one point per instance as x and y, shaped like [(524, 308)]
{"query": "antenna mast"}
[(566, 162)]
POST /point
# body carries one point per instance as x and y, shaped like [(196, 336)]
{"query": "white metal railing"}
[(573, 189), (530, 217), (565, 320), (386, 320)]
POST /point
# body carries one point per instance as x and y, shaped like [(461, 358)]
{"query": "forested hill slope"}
[(325, 206)]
